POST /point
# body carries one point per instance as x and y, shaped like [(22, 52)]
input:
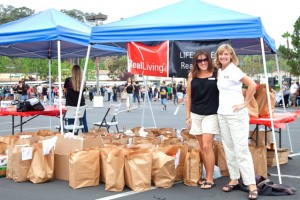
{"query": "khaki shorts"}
[(202, 124)]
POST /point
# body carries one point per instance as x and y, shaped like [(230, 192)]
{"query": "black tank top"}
[(205, 95)]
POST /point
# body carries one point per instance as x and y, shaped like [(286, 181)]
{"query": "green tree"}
[(4, 63), (293, 54), (91, 69), (287, 35), (118, 67), (10, 13)]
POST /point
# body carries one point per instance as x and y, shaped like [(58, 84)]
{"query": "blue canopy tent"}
[(188, 20), (50, 34), (36, 36), (192, 20)]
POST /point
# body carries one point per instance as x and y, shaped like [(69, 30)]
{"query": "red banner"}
[(148, 60)]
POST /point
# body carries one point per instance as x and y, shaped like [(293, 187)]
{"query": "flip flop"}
[(210, 185), (202, 181), (253, 195), (229, 188)]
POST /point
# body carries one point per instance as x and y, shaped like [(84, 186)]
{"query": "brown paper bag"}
[(103, 157), (9, 139), (84, 168), (115, 180), (42, 166), (3, 148), (17, 169), (180, 167), (261, 138), (163, 167), (138, 170), (259, 156), (252, 106), (191, 172), (45, 133), (262, 101), (222, 164)]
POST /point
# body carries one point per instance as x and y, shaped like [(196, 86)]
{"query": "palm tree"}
[(287, 35)]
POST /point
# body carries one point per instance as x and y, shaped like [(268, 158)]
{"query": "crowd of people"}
[(21, 91), (290, 94), (172, 92)]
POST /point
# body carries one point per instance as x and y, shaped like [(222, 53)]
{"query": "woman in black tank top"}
[(202, 100)]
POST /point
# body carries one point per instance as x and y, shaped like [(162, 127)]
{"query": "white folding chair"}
[(112, 111), (71, 114)]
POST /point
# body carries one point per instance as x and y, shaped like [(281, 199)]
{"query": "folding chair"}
[(71, 114), (113, 111)]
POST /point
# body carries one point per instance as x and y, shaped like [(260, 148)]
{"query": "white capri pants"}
[(129, 99), (234, 133)]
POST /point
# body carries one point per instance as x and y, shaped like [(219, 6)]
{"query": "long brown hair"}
[(195, 70), (76, 77)]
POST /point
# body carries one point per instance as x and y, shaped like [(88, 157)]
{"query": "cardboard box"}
[(283, 155), (62, 151), (65, 145)]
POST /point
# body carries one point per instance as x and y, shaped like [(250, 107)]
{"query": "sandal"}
[(202, 181), (210, 185), (253, 195), (229, 188)]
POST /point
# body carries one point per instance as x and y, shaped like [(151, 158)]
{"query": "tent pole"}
[(49, 67), (269, 106), (280, 84), (147, 97), (82, 85), (59, 87)]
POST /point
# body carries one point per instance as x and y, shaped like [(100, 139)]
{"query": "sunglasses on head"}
[(202, 60)]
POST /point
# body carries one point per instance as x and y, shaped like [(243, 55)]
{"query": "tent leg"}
[(270, 108)]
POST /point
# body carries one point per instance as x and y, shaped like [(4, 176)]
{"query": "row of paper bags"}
[(134, 167)]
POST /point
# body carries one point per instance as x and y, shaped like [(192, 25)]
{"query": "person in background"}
[(286, 93), (293, 93), (174, 91), (150, 92), (115, 92), (169, 92), (91, 93), (72, 89), (45, 94), (234, 119), (30, 92), (202, 101), (137, 94), (298, 94), (179, 92), (11, 90), (40, 91), (2, 96), (163, 95), (129, 88), (24, 88)]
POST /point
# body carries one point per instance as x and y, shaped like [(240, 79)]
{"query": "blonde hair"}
[(76, 77), (220, 50)]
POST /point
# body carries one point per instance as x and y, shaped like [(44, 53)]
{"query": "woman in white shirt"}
[(234, 119)]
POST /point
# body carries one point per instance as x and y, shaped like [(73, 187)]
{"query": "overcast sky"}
[(278, 16)]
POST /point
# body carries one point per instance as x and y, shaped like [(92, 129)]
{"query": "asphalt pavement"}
[(147, 116)]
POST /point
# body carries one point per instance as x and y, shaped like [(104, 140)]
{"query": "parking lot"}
[(58, 189)]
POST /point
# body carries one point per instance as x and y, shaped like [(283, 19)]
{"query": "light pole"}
[(96, 20)]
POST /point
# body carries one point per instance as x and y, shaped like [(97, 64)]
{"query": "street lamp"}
[(96, 20)]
